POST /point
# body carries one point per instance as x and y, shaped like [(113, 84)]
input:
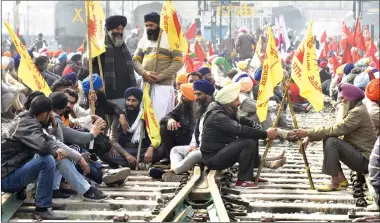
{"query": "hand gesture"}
[(173, 125), (61, 154), (272, 133)]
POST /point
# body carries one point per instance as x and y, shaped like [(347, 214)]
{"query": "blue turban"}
[(199, 32), (347, 69), (62, 57), (17, 58), (204, 70), (374, 70), (257, 74), (71, 77), (204, 86), (97, 80), (137, 92), (241, 76)]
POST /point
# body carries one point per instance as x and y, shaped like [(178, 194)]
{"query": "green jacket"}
[(356, 128)]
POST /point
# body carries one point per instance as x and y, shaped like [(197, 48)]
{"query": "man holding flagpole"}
[(158, 63)]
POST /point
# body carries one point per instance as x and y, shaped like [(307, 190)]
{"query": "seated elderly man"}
[(358, 134), (126, 144), (372, 102), (177, 127), (227, 139)]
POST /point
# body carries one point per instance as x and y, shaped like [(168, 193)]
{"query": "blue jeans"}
[(95, 174), (72, 176), (42, 169)]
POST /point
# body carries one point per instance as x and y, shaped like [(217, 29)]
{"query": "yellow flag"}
[(97, 20), (170, 23), (151, 121), (305, 72), (27, 71), (272, 74)]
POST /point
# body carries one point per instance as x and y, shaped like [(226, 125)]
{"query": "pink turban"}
[(350, 92)]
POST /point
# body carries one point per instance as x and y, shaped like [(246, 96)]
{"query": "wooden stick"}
[(306, 162), (150, 89), (92, 103), (263, 157)]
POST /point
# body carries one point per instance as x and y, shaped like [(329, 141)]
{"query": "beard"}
[(200, 108), (117, 38), (153, 34), (131, 114)]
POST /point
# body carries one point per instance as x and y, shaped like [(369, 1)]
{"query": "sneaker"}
[(120, 175), (249, 184), (49, 215), (59, 194), (171, 177), (94, 194), (156, 173)]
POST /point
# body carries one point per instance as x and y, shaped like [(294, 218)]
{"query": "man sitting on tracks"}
[(227, 139), (18, 167), (126, 144), (372, 102), (177, 127), (358, 134), (183, 158)]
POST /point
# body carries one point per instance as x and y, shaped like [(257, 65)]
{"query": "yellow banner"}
[(272, 74), (27, 71), (97, 20), (170, 23), (305, 71), (151, 122), (242, 10)]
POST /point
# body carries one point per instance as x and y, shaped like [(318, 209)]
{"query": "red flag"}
[(346, 35), (68, 50), (325, 52), (188, 62), (210, 49), (199, 52), (372, 50), (335, 63), (358, 39), (355, 55), (324, 37), (190, 33), (347, 58)]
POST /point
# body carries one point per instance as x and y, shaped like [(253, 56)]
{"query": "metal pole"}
[(122, 8), (107, 8), (220, 26), (230, 24)]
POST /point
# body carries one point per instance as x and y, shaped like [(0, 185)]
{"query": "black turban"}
[(114, 21), (152, 17), (59, 100), (137, 92)]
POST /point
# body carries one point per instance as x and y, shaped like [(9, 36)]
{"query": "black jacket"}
[(184, 116), (24, 139), (220, 128)]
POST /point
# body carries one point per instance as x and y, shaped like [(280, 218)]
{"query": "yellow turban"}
[(181, 78), (242, 65), (228, 93)]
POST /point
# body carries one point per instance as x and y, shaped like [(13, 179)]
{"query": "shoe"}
[(49, 215), (261, 180), (59, 194), (94, 194), (171, 177), (327, 188), (344, 184), (56, 206), (247, 184), (156, 173), (120, 175)]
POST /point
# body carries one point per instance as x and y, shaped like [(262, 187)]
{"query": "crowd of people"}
[(57, 142)]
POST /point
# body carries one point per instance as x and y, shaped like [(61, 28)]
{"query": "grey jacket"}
[(24, 138), (244, 46), (72, 136)]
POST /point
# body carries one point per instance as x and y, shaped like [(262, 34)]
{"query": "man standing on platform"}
[(154, 48), (117, 64)]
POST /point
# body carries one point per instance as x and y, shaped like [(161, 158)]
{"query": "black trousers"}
[(169, 139), (244, 151)]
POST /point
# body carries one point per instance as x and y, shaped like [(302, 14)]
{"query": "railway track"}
[(211, 196)]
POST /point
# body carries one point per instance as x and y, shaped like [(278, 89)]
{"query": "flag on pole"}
[(150, 117), (190, 33), (323, 37), (97, 20), (305, 72), (199, 52), (285, 42), (256, 59), (170, 23), (27, 71), (358, 38), (272, 74)]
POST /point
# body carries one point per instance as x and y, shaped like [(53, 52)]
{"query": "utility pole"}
[(16, 17), (122, 8), (220, 25), (107, 8), (230, 24)]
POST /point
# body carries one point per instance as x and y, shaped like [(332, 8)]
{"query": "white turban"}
[(228, 93)]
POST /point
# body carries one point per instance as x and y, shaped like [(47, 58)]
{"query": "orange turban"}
[(188, 91), (372, 90), (7, 54), (181, 78)]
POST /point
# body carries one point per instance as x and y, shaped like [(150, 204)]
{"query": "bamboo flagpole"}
[(301, 148), (92, 103), (269, 144)]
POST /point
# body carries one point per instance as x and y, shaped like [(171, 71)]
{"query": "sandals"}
[(327, 188)]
